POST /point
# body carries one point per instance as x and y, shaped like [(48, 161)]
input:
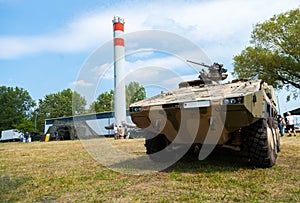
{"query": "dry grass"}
[(65, 172)]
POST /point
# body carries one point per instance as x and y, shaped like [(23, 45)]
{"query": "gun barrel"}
[(201, 64)]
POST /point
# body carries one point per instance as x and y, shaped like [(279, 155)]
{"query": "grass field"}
[(65, 172)]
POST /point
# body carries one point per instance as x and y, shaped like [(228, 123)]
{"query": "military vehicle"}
[(240, 115)]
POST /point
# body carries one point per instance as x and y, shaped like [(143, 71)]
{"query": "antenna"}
[(255, 48), (278, 104)]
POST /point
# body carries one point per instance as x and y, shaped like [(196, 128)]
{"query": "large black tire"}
[(156, 144), (261, 140)]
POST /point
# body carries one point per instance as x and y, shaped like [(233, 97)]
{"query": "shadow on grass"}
[(220, 160), (8, 185)]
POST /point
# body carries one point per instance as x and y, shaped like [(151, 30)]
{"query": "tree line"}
[(18, 110)]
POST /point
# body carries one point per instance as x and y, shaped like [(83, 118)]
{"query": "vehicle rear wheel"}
[(262, 144)]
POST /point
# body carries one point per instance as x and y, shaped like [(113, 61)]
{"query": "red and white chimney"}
[(119, 63)]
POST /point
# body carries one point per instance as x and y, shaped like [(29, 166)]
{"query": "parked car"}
[(10, 135)]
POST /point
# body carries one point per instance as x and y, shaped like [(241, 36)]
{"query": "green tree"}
[(274, 53), (25, 125), (61, 104), (16, 105), (134, 92), (103, 103), (78, 103)]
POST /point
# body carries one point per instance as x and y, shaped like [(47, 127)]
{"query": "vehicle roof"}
[(206, 92)]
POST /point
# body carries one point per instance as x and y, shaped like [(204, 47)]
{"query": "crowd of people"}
[(25, 137), (288, 122), (119, 134)]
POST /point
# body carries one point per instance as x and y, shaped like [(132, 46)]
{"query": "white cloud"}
[(174, 81), (165, 72), (224, 21), (141, 54), (82, 83), (104, 71)]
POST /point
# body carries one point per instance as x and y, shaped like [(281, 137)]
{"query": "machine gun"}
[(216, 72)]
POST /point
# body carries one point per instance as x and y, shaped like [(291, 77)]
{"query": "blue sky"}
[(44, 45)]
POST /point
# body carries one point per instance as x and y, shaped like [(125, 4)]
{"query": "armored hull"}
[(235, 115)]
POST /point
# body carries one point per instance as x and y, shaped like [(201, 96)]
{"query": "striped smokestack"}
[(119, 62)]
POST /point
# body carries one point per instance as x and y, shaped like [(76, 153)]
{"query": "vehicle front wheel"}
[(262, 144)]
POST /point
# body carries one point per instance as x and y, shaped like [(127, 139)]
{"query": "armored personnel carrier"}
[(240, 115)]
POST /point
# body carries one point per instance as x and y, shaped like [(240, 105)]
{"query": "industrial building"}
[(96, 122)]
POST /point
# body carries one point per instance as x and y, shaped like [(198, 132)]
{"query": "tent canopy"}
[(295, 111)]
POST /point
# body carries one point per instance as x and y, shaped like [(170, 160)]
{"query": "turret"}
[(215, 73)]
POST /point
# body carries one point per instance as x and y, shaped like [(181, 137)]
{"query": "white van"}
[(10, 135)]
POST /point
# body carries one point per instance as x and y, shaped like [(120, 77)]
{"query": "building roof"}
[(295, 111)]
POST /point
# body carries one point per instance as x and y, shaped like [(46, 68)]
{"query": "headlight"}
[(226, 101), (235, 100), (135, 109)]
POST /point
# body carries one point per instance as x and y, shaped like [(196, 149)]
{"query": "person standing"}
[(290, 124), (120, 132), (56, 135), (27, 137), (126, 135), (281, 124), (116, 131), (21, 137)]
